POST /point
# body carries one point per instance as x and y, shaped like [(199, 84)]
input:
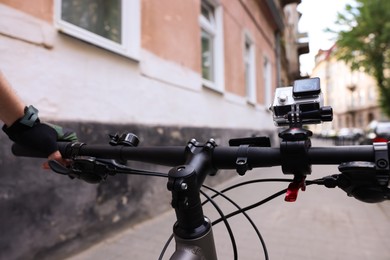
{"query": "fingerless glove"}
[(29, 131)]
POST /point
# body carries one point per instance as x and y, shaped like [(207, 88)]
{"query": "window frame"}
[(250, 60), (216, 30), (130, 30), (267, 79), (211, 69)]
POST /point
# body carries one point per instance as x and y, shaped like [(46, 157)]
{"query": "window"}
[(113, 24), (207, 56), (212, 45), (250, 75), (371, 93), (267, 75)]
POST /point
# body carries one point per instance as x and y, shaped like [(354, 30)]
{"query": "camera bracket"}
[(294, 149), (300, 104)]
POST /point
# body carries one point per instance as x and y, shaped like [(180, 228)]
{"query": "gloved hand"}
[(30, 132), (63, 134)]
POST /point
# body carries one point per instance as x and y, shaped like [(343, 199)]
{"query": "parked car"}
[(377, 131), (346, 133), (349, 136), (328, 134)]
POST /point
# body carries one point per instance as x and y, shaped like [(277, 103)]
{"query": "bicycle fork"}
[(192, 230)]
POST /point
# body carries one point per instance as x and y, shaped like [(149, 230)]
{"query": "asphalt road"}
[(322, 224)]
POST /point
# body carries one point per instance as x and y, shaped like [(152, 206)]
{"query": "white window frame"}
[(215, 29), (250, 60), (130, 25), (267, 76)]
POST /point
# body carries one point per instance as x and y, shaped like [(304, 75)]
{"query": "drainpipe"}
[(278, 58), (278, 19)]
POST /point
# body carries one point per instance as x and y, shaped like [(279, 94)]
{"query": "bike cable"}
[(215, 205), (218, 193), (224, 219), (257, 204)]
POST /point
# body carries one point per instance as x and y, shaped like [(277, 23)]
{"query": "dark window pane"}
[(207, 56), (102, 17), (207, 11)]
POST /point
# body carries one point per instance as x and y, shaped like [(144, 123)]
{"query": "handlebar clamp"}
[(382, 163), (75, 149), (242, 165), (294, 150)]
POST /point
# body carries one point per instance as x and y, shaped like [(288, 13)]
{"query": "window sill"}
[(24, 27), (96, 40), (251, 103), (212, 86), (130, 45)]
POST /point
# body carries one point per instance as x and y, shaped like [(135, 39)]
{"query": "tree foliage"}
[(364, 42)]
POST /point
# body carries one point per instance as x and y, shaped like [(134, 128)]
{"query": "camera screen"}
[(306, 87)]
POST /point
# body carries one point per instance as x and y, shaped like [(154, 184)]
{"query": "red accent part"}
[(293, 189), (380, 140)]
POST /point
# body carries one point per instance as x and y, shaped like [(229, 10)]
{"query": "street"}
[(322, 224)]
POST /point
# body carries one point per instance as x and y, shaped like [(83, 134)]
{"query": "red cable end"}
[(293, 189)]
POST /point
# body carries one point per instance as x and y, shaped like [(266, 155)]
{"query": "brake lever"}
[(360, 180), (59, 168), (88, 169), (363, 181)]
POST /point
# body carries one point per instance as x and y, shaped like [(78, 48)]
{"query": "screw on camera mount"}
[(297, 117)]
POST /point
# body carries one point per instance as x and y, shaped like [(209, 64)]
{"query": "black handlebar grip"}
[(23, 151)]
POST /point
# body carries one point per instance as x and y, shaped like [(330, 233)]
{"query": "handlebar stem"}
[(184, 182)]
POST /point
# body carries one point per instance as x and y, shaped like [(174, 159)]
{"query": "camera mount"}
[(296, 106), (300, 104)]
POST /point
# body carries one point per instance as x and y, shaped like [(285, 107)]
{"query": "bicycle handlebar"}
[(222, 157), (364, 169), (364, 172)]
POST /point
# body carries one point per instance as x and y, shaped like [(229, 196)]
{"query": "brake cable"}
[(257, 204), (224, 219), (112, 168), (218, 193)]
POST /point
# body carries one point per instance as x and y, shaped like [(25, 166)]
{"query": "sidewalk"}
[(322, 224)]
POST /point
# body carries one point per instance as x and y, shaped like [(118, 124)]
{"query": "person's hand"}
[(57, 157), (39, 136), (63, 135)]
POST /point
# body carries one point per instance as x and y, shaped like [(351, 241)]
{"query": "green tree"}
[(364, 42)]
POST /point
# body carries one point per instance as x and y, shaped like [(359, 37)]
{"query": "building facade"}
[(353, 95), (166, 70)]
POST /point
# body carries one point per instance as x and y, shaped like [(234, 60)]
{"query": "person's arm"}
[(22, 124), (11, 106)]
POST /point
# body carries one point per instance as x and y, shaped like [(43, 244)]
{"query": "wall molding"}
[(21, 26)]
